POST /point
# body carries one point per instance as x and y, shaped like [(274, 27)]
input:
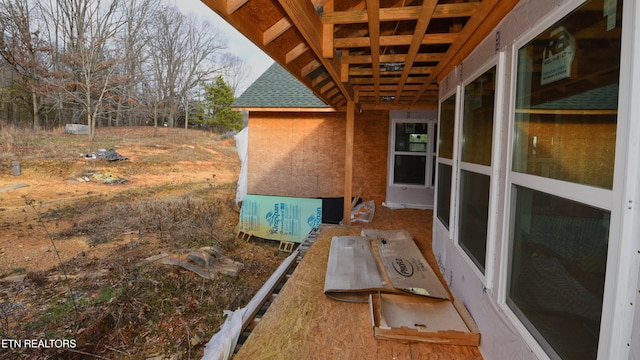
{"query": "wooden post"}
[(348, 162)]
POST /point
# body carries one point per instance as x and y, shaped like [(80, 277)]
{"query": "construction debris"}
[(109, 155), (204, 264)]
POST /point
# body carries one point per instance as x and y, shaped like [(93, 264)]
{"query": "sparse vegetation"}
[(115, 304)]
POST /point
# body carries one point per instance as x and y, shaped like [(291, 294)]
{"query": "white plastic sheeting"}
[(222, 344), (242, 146)]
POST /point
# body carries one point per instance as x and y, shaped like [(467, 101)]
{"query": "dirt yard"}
[(80, 238)]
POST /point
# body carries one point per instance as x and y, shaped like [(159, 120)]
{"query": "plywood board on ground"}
[(415, 318), (303, 323)]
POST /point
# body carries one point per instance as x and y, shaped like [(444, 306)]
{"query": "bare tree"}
[(24, 50), (87, 29), (133, 41), (185, 52), (236, 73), (117, 61)]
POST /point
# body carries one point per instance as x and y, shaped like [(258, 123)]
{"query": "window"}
[(477, 136), (474, 216), (567, 98), (447, 122), (411, 153), (444, 193), (557, 271), (564, 137), (445, 163), (477, 120)]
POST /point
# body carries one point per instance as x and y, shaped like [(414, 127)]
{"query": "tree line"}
[(113, 63)]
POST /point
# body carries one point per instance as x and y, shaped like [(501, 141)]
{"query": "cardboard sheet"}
[(358, 266), (408, 270), (419, 318), (352, 270)]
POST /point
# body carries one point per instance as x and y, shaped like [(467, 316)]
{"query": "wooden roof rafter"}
[(373, 11), (426, 12), (479, 26), (337, 48), (304, 16), (442, 11)]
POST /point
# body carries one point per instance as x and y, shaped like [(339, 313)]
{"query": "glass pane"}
[(410, 170), (447, 121), (556, 279), (474, 215), (444, 193), (477, 122), (433, 158), (411, 137), (567, 97)]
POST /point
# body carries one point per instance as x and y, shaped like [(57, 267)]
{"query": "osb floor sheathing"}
[(302, 323)]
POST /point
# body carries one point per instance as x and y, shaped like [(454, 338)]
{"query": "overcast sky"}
[(238, 44)]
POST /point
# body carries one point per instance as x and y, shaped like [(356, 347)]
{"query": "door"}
[(411, 160)]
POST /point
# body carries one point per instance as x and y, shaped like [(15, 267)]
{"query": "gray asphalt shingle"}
[(277, 88)]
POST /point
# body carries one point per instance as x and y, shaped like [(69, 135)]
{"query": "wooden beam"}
[(328, 86), (477, 28), (394, 40), (233, 5), (344, 67), (320, 78), (267, 289), (371, 88), (426, 13), (296, 52), (303, 15), (391, 80), (307, 69), (373, 12), (327, 33), (254, 34), (424, 70), (400, 13), (348, 161), (276, 30), (248, 29), (333, 93), (366, 59)]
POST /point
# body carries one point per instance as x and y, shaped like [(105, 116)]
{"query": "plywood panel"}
[(302, 323), (303, 154)]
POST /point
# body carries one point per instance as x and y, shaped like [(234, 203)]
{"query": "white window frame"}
[(492, 171), (451, 162), (617, 291), (429, 154)]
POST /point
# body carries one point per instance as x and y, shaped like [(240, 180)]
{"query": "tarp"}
[(280, 218), (242, 146)]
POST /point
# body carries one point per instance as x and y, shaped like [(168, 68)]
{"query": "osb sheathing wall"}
[(302, 154)]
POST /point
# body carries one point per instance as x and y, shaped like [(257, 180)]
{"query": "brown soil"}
[(53, 222), (169, 159)]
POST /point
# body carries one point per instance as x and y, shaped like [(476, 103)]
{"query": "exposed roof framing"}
[(381, 54)]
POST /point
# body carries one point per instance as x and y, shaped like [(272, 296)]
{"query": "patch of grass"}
[(15, 271), (136, 309), (184, 221)]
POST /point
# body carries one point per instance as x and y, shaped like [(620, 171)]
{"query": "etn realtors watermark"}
[(37, 343)]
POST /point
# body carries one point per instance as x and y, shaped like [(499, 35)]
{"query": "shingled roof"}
[(276, 88)]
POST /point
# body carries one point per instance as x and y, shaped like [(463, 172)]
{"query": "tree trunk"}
[(36, 112), (155, 119), (186, 115)]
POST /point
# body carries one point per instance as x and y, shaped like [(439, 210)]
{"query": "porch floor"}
[(302, 323)]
